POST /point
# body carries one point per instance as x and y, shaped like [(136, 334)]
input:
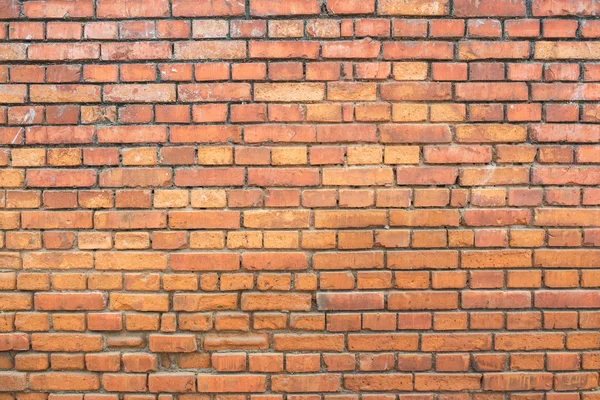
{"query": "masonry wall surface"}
[(299, 199)]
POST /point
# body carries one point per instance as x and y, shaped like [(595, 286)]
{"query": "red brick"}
[(124, 382), (69, 301), (213, 50), (231, 383), (297, 189), (189, 8), (382, 341), (172, 382), (487, 8), (56, 381), (456, 342), (418, 50), (351, 6), (109, 362), (122, 9), (350, 301), (518, 381), (306, 383), (447, 382), (13, 381), (274, 261), (423, 301), (172, 344), (562, 7)]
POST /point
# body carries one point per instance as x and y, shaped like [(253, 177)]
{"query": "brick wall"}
[(299, 199)]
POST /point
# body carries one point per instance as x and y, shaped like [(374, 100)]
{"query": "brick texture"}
[(299, 199)]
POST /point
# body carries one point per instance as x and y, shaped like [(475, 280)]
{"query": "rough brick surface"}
[(299, 199)]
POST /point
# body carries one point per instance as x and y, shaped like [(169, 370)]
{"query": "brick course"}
[(299, 199)]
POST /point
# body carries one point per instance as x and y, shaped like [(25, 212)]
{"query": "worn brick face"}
[(299, 199)]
